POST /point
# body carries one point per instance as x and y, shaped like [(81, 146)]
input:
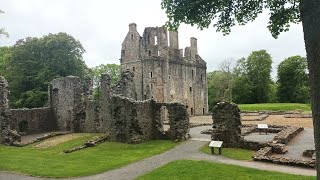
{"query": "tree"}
[(5, 55), (225, 14), (113, 70), (218, 87), (293, 80), (2, 30), (258, 68), (34, 62)]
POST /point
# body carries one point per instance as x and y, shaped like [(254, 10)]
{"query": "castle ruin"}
[(164, 72)]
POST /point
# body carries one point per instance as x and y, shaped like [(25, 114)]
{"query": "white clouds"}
[(101, 26)]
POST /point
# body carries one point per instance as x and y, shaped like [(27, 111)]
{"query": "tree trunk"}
[(310, 16)]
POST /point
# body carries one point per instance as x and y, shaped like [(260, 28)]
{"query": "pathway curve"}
[(186, 150)]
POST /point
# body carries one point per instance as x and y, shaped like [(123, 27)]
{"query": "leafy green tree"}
[(293, 80), (2, 30), (228, 13), (34, 62), (114, 70), (218, 87), (258, 67), (5, 55)]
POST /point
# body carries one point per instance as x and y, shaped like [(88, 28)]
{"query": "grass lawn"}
[(52, 162), (188, 169), (275, 107), (234, 153)]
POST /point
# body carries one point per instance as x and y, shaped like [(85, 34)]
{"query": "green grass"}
[(188, 169), (52, 162), (275, 107), (234, 153)]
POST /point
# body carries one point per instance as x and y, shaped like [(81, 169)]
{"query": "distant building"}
[(164, 72)]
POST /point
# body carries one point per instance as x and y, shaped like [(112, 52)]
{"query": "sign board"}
[(262, 126), (217, 144)]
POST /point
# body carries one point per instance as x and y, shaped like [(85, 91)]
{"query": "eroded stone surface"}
[(226, 124)]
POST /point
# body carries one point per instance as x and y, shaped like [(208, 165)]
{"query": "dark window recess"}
[(131, 36), (191, 111), (149, 53), (190, 89), (151, 74), (171, 96), (192, 73), (202, 110), (201, 78)]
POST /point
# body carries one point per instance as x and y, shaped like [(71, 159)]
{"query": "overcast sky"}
[(101, 26)]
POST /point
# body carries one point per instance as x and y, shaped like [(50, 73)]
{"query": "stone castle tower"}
[(164, 72)]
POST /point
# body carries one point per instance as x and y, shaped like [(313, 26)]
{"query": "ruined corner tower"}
[(164, 72)]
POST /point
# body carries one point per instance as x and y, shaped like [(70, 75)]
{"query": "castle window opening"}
[(155, 40), (191, 111), (190, 89), (202, 110), (148, 39), (169, 76), (149, 53), (192, 73), (171, 96), (201, 78), (151, 74), (131, 36)]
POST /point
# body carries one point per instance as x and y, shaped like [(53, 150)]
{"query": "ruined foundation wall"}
[(32, 121)]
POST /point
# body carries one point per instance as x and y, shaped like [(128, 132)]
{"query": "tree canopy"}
[(228, 13), (293, 80), (114, 70), (34, 62), (2, 30)]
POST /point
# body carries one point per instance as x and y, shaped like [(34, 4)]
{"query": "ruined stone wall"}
[(125, 86), (31, 121), (162, 72), (65, 100), (226, 124), (90, 118), (7, 135), (4, 108)]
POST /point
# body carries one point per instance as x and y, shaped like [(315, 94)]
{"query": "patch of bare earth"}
[(272, 119), (58, 140), (281, 120), (201, 119)]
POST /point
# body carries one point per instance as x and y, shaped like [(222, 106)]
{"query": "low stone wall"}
[(91, 143), (31, 121), (259, 118), (265, 155), (270, 112), (308, 152), (298, 115), (287, 134), (41, 138), (192, 125)]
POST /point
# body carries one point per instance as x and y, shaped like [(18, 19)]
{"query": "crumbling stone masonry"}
[(226, 124), (72, 109), (7, 135), (164, 72)]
